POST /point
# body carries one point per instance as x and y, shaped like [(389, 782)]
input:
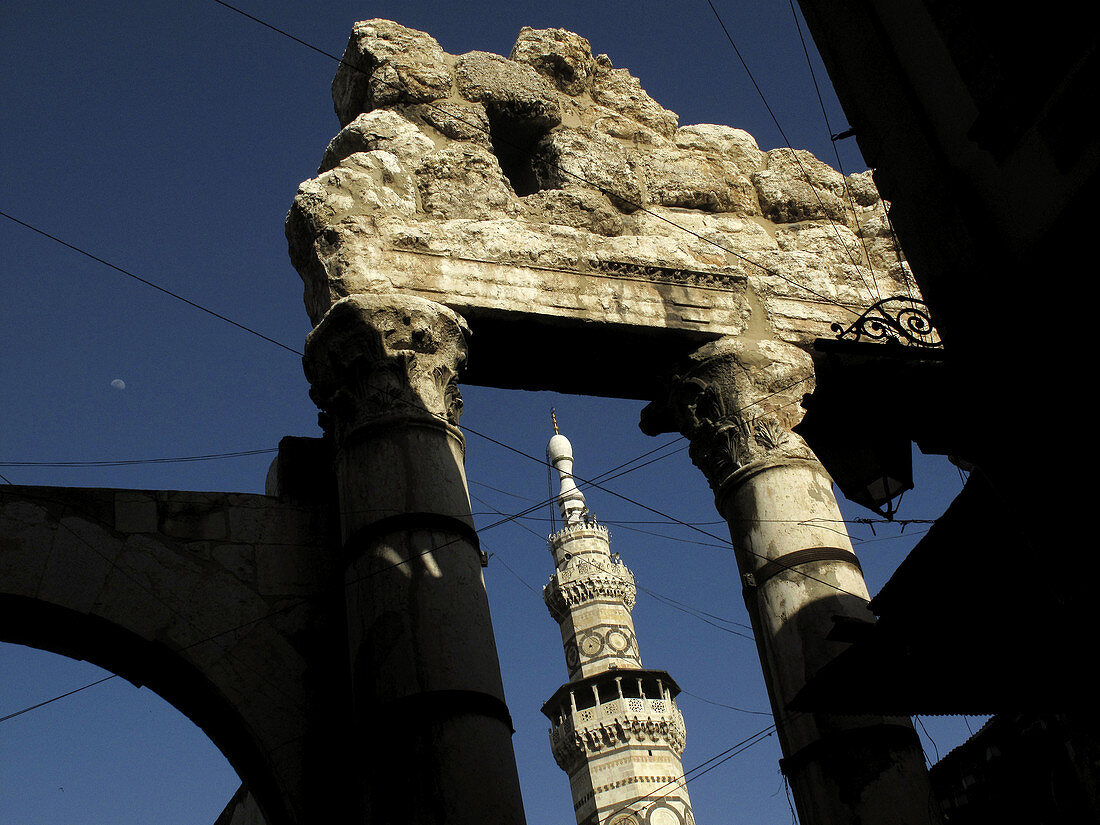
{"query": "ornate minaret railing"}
[(616, 730)]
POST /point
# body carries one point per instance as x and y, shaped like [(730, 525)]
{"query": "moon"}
[(118, 384)]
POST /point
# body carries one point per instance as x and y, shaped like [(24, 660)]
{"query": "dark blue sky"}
[(168, 138)]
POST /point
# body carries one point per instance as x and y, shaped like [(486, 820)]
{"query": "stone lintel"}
[(606, 291), (628, 322), (523, 351)]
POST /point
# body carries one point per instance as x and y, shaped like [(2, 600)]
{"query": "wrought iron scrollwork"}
[(902, 320)]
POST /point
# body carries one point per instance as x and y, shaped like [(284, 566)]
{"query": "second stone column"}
[(736, 401)]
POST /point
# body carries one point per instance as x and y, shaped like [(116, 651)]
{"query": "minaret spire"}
[(559, 452), (616, 730)]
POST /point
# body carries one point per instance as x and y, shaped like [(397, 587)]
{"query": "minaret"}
[(616, 730)]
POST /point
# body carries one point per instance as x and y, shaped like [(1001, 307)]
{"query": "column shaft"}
[(736, 402), (433, 731)]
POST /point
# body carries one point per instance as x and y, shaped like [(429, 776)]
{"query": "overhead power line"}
[(833, 140), (798, 160), (138, 461), (37, 705), (147, 282)]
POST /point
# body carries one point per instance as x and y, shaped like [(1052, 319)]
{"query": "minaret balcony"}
[(640, 722), (614, 709), (583, 580), (584, 529), (640, 710)]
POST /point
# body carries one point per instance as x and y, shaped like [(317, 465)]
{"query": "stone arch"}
[(194, 596), (55, 629)]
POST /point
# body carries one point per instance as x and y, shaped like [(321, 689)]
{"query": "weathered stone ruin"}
[(514, 210), (543, 204), (549, 183)]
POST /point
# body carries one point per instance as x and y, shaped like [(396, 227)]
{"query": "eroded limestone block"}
[(571, 158), (736, 145), (861, 187), (454, 119), (620, 126), (363, 183), (831, 243), (578, 208), (513, 93), (551, 184), (786, 200), (798, 164), (618, 89), (381, 129), (463, 181), (796, 186), (692, 180), (720, 231), (385, 64), (563, 57)]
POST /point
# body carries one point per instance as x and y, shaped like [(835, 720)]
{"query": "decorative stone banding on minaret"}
[(616, 729)]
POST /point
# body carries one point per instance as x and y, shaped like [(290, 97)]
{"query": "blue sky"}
[(168, 138)]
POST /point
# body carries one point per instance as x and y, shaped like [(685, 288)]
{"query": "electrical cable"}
[(508, 519), (794, 152), (283, 346), (694, 612), (698, 770), (148, 283), (779, 563), (252, 331), (242, 453), (695, 773), (836, 152), (723, 705), (56, 698), (138, 461)]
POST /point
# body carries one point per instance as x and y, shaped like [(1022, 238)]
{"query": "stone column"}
[(430, 723), (736, 402)]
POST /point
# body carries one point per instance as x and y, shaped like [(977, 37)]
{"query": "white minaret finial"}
[(559, 452)]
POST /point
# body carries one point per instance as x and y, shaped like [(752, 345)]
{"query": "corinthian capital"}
[(736, 401), (376, 357)]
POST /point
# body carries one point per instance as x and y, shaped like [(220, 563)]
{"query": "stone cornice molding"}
[(377, 359), (573, 586), (586, 529), (573, 746), (736, 402)]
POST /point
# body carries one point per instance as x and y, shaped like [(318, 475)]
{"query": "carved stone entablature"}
[(575, 586), (736, 402), (377, 357), (574, 742), (670, 275)]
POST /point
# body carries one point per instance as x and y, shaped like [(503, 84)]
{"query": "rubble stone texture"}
[(549, 183)]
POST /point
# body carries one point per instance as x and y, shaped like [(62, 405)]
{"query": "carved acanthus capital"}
[(376, 357), (736, 401)]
